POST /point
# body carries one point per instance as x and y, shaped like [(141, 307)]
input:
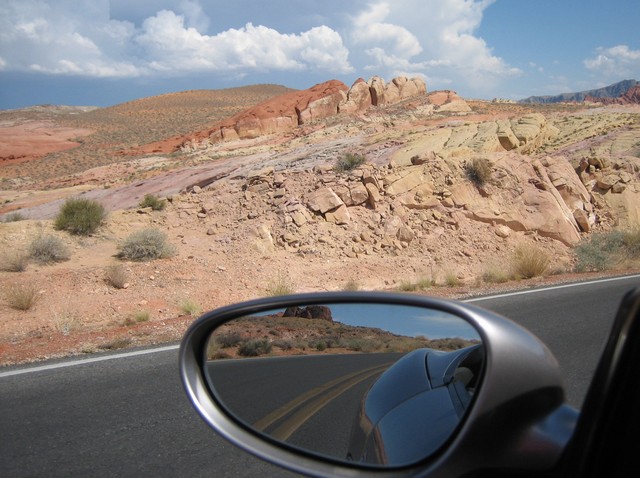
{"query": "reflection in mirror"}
[(381, 384)]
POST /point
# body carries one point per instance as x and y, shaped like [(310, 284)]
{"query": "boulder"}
[(323, 200), (339, 216), (320, 312)]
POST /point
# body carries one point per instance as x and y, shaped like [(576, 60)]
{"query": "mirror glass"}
[(378, 384)]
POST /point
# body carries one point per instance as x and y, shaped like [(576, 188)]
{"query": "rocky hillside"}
[(427, 190), (612, 91)]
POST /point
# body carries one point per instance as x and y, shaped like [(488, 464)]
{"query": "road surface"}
[(126, 415)]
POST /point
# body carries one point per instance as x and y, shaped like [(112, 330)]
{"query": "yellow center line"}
[(315, 399)]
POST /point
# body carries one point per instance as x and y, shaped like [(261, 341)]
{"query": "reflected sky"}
[(400, 319)]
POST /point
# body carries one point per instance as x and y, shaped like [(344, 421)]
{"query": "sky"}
[(105, 52)]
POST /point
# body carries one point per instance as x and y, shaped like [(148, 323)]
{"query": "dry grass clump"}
[(495, 274), (146, 245), (116, 276), (21, 296), (14, 261), (47, 249), (254, 348), (280, 285), (80, 216), (420, 284), (478, 170), (529, 261), (190, 307)]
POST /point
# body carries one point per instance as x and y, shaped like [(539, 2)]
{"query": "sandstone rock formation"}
[(290, 110)]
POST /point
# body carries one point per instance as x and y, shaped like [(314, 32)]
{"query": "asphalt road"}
[(128, 415)]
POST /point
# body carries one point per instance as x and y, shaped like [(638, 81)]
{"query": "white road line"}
[(85, 361), (555, 287), (175, 347)]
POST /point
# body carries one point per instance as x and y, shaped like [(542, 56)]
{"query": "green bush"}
[(348, 162), (45, 249), (80, 216), (254, 348), (146, 245), (478, 170), (154, 202)]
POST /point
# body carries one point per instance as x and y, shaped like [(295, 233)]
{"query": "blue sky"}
[(104, 52)]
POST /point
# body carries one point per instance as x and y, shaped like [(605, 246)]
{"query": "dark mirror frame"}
[(513, 356)]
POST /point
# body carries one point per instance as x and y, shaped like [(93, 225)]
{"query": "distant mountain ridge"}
[(611, 91)]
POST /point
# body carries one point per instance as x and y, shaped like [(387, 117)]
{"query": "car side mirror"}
[(337, 381)]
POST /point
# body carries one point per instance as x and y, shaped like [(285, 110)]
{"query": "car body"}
[(415, 405), (517, 424)]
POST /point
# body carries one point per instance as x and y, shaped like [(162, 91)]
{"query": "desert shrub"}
[(145, 245), (280, 285), (283, 344), (80, 216), (478, 170), (154, 202), (254, 348), (46, 248), (190, 307), (529, 261), (14, 217), (115, 275), (14, 261), (22, 296), (348, 162), (229, 339)]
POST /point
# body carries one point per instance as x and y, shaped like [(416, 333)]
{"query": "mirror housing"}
[(517, 421)]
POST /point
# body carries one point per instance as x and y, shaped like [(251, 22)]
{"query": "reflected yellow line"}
[(315, 399)]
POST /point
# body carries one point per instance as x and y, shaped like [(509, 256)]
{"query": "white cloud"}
[(432, 37), (80, 38), (615, 62)]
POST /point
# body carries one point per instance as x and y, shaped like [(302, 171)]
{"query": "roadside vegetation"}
[(609, 251)]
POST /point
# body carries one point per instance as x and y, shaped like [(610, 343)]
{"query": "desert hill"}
[(427, 191), (612, 91), (104, 133)]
